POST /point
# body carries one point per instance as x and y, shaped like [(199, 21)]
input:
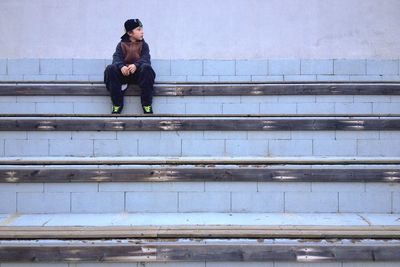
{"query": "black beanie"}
[(131, 24)]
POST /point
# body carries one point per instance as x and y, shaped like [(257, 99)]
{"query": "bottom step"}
[(203, 238)]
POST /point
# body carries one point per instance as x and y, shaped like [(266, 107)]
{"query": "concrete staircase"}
[(223, 174)]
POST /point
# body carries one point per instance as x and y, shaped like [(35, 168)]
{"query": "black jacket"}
[(118, 56)]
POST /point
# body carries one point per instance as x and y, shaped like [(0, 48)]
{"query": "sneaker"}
[(116, 109), (147, 110)]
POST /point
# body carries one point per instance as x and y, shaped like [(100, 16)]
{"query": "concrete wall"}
[(184, 29), (257, 70)]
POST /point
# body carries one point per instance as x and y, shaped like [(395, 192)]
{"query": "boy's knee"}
[(147, 70), (146, 67)]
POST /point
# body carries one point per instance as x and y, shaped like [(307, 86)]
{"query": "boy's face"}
[(136, 34)]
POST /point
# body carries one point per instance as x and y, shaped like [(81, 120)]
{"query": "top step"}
[(201, 98), (204, 89)]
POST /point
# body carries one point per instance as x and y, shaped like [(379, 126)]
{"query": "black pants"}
[(143, 76)]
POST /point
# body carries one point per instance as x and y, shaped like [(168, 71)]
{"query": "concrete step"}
[(203, 89), (279, 98), (199, 225), (196, 196), (204, 161), (124, 185), (211, 136), (197, 237), (262, 105)]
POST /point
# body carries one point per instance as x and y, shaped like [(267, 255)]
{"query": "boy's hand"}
[(132, 68), (125, 71)]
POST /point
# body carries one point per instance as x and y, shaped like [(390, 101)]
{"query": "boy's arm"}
[(118, 58), (145, 56)]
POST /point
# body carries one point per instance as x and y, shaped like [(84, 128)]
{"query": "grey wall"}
[(208, 29)]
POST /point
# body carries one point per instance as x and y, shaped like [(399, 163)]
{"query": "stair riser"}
[(200, 143), (225, 197), (374, 104)]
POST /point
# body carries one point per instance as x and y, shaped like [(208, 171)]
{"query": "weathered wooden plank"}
[(197, 124), (169, 174), (186, 251), (210, 89)]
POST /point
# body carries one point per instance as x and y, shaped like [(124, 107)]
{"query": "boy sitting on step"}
[(131, 64)]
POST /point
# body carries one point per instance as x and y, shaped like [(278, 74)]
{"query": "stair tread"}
[(235, 225), (200, 89), (198, 173), (279, 220), (196, 160), (198, 124)]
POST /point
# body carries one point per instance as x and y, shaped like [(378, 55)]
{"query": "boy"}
[(131, 64)]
